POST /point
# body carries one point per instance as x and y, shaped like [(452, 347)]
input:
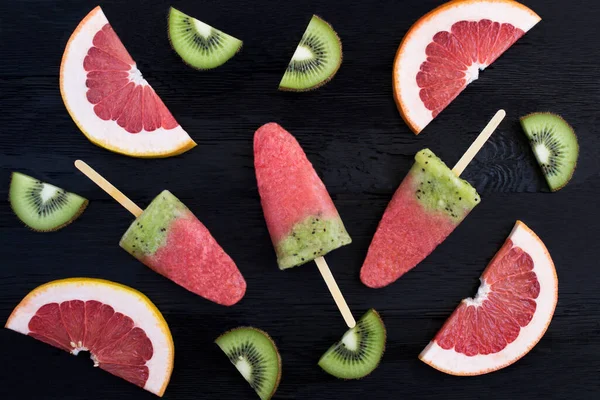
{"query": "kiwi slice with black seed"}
[(359, 351), (41, 206), (255, 356), (555, 146), (316, 59), (200, 45)]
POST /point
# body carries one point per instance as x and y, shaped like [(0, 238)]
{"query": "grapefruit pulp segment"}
[(124, 332), (108, 98)]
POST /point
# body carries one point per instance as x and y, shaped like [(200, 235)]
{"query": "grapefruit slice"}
[(445, 50), (110, 101), (509, 315), (121, 328)]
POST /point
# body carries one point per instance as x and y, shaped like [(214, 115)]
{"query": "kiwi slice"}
[(555, 146), (200, 45), (359, 351), (316, 59), (255, 356), (41, 206)]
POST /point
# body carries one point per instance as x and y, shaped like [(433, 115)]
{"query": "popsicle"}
[(301, 217), (302, 220), (429, 204), (169, 239)]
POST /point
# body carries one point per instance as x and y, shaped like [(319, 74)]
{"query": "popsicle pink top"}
[(297, 208), (289, 187)]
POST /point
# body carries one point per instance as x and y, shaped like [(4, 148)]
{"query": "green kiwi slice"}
[(41, 206), (555, 146), (200, 45), (316, 59), (359, 351), (255, 356)]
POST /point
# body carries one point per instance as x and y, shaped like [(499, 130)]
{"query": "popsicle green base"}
[(149, 231), (437, 188), (314, 237)]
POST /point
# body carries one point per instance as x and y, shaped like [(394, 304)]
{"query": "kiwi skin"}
[(382, 351), (185, 62), (75, 216), (574, 134), (274, 345), (330, 77)]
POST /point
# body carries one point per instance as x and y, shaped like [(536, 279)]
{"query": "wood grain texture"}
[(358, 143)]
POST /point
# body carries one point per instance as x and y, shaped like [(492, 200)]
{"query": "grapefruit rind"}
[(108, 134), (122, 299), (454, 363), (411, 52)]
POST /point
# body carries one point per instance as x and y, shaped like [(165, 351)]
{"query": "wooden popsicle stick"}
[(478, 143), (335, 292), (109, 188)]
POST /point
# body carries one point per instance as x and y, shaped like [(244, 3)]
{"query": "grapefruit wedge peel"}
[(110, 101), (445, 50), (123, 330), (509, 315)]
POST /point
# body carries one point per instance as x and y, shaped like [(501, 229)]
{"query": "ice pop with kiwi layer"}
[(301, 217), (429, 204), (169, 239)]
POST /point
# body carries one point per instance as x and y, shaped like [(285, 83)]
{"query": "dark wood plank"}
[(358, 143)]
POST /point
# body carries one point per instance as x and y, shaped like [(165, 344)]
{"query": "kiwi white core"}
[(203, 29), (48, 192), (245, 368), (349, 340), (543, 153), (302, 53)]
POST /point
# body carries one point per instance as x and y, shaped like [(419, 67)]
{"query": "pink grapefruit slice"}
[(509, 315), (110, 101), (121, 328), (445, 50)]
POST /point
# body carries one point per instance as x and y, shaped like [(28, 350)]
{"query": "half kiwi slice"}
[(359, 351), (316, 59), (255, 356), (200, 45), (555, 146), (41, 206)]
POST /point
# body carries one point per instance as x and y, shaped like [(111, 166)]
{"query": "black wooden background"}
[(353, 134)]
